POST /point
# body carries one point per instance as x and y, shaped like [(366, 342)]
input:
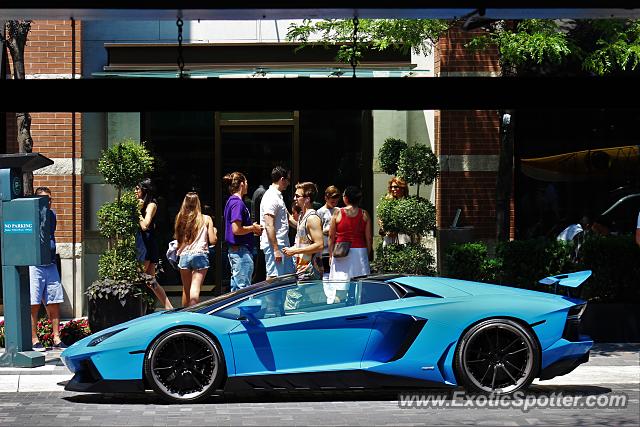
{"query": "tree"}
[(418, 35), (414, 216), (15, 33)]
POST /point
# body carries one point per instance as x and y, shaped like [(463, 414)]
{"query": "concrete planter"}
[(612, 322), (104, 313)]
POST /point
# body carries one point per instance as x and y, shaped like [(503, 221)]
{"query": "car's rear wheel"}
[(497, 356), (183, 365)]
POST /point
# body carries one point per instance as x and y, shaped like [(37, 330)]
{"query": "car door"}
[(303, 328)]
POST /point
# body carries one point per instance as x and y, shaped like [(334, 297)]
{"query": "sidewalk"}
[(610, 363)]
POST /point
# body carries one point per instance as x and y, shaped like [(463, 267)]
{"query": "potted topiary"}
[(414, 216), (120, 293)]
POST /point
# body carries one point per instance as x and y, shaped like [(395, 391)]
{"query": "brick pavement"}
[(615, 367)]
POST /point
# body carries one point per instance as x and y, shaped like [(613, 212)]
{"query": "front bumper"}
[(88, 379)]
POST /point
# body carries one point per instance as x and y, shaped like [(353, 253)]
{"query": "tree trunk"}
[(16, 40)]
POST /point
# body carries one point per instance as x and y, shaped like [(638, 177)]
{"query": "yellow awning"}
[(602, 163)]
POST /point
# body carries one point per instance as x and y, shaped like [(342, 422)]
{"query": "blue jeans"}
[(277, 268), (241, 264)]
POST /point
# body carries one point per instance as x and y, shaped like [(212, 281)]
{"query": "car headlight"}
[(94, 342)]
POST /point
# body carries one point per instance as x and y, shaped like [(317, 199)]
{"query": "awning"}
[(276, 73), (603, 163)]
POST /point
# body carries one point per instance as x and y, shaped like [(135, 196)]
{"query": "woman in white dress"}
[(350, 224)]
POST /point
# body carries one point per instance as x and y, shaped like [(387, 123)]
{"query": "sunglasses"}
[(394, 187)]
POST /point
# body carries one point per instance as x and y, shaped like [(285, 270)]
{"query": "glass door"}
[(253, 147)]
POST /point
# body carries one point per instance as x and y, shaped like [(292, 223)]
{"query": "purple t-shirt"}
[(236, 210)]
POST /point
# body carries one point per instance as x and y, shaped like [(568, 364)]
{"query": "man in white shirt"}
[(331, 198), (275, 218)]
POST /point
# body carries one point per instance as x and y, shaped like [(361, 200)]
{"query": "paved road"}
[(33, 397)]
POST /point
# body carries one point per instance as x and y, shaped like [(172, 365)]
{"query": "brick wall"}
[(49, 54), (53, 138), (469, 133), (49, 48), (474, 193), (453, 57), (12, 132)]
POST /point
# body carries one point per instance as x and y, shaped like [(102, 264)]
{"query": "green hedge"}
[(524, 262), (469, 261), (412, 258), (614, 260)]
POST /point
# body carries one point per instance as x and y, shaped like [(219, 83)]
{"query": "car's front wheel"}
[(497, 356), (183, 365)]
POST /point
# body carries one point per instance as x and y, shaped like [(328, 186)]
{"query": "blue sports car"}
[(377, 331)]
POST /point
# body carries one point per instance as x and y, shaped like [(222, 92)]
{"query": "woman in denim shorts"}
[(194, 233)]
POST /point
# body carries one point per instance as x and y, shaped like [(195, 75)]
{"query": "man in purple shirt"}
[(238, 231)]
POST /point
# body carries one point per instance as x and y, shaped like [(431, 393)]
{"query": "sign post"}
[(25, 237)]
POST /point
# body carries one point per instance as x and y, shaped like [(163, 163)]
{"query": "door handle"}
[(356, 318)]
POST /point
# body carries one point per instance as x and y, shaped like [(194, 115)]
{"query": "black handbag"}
[(341, 249)]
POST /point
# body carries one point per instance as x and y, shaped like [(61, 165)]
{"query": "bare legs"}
[(191, 284), (150, 268), (53, 312)]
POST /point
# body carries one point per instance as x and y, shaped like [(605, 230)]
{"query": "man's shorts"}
[(277, 268), (45, 285)]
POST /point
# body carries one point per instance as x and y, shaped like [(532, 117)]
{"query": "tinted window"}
[(376, 292)]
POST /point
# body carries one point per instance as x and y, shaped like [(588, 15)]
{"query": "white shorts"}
[(45, 285)]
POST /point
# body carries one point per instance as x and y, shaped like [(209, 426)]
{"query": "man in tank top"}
[(309, 239)]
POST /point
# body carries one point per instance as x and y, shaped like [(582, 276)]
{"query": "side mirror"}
[(250, 306)]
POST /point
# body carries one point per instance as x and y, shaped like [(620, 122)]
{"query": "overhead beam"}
[(264, 94), (291, 9)]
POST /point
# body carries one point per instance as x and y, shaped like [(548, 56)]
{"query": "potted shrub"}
[(412, 215), (120, 293)]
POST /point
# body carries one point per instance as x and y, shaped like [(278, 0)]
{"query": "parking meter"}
[(25, 239)]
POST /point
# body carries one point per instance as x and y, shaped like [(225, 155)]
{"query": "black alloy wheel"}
[(497, 356), (184, 365)]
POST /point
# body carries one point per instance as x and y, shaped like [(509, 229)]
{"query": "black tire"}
[(184, 365), (497, 356)]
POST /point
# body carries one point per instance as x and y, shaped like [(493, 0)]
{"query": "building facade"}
[(194, 149)]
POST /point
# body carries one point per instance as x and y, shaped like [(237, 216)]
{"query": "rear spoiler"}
[(570, 280)]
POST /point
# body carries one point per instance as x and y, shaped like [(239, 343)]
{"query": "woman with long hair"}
[(194, 233), (147, 248), (238, 231)]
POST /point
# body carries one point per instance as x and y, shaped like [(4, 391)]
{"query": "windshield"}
[(289, 278)]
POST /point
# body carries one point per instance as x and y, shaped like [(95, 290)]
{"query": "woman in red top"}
[(350, 224)]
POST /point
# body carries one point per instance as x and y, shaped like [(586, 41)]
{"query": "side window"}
[(317, 295), (376, 292), (306, 297), (271, 305)]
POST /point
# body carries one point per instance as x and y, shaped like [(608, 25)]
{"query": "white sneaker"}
[(39, 347)]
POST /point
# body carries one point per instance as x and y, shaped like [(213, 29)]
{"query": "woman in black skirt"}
[(148, 209)]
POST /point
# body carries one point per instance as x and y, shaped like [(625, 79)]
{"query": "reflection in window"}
[(303, 298)]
